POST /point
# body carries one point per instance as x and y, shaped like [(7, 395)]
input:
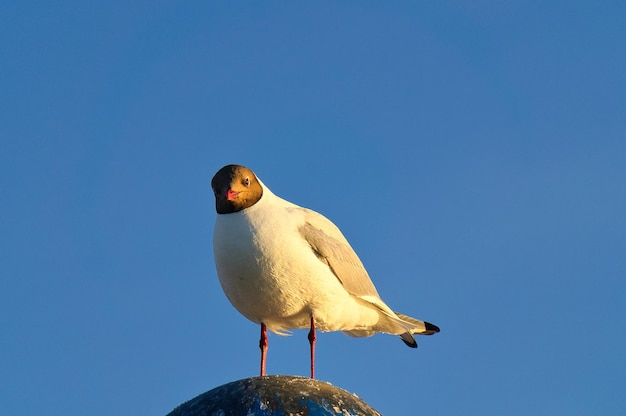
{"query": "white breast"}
[(271, 275)]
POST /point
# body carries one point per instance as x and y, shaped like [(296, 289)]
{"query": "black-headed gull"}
[(286, 267)]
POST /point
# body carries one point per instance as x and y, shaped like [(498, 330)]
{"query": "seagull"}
[(286, 267)]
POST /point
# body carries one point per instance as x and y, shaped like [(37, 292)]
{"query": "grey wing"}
[(331, 247)]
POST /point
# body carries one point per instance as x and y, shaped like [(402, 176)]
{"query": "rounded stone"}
[(273, 396)]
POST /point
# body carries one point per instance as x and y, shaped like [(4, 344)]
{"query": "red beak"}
[(231, 195)]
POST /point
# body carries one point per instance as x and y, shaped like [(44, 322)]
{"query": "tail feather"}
[(394, 324), (419, 327)]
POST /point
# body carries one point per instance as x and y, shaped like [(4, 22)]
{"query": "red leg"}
[(263, 346), (312, 339)]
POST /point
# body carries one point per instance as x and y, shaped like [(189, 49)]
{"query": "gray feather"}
[(331, 247)]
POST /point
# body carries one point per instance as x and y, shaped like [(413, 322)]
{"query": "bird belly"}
[(271, 275)]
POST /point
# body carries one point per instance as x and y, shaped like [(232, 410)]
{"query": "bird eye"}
[(247, 181)]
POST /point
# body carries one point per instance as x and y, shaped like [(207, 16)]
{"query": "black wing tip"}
[(408, 339), (430, 328)]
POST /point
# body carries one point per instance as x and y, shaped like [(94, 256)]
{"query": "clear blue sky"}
[(474, 153)]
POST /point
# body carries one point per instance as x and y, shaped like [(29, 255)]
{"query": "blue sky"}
[(472, 152)]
